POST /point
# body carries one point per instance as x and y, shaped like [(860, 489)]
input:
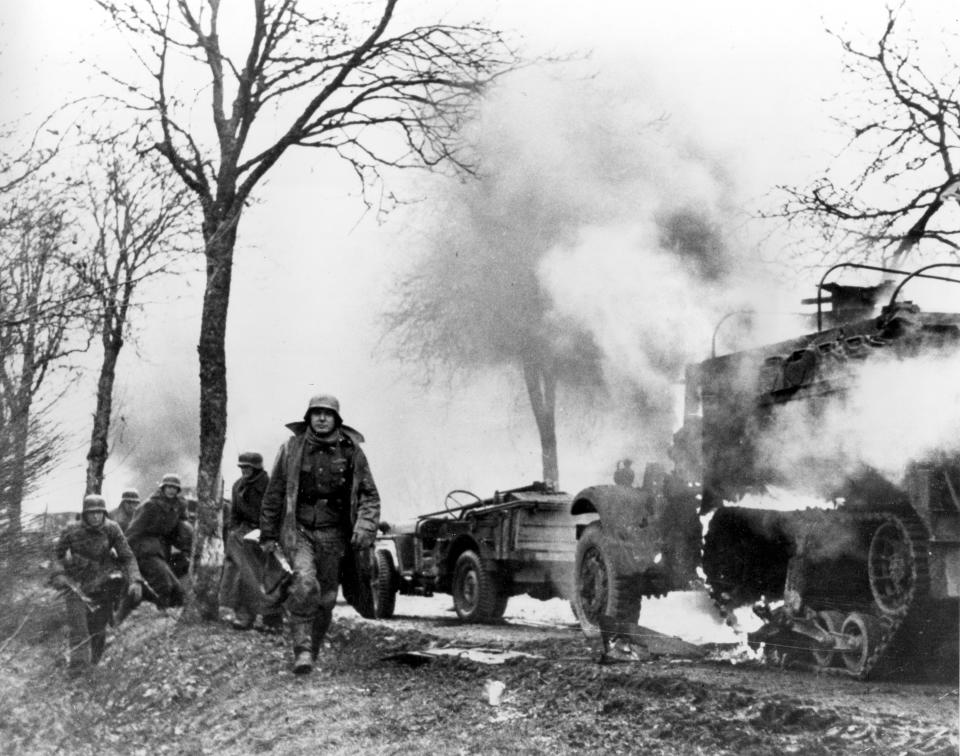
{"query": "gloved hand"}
[(135, 591), (362, 539), (268, 547)]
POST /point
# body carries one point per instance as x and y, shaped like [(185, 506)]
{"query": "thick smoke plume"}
[(897, 411), (641, 263), (158, 437), (595, 238)]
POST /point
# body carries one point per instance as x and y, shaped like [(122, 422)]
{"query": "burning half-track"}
[(868, 580)]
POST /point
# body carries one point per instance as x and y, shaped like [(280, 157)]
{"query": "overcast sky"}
[(743, 82)]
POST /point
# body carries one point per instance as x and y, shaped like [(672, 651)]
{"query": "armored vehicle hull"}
[(868, 579)]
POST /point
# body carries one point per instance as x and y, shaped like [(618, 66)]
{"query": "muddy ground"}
[(166, 687)]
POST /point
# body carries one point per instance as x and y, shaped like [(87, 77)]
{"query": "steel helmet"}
[(94, 503), (250, 459), (171, 479), (323, 401), (131, 494)]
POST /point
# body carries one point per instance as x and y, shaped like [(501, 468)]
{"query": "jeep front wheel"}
[(475, 591), (601, 588)]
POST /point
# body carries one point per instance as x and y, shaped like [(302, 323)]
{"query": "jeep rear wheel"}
[(600, 588), (475, 591), (384, 586), (501, 606)]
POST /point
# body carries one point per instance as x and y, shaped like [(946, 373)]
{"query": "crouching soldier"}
[(159, 526), (321, 505), (97, 568), (240, 588)]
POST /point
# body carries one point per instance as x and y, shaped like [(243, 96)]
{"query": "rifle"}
[(65, 585)]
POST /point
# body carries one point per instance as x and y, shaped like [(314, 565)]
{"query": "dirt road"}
[(684, 618), (384, 687)]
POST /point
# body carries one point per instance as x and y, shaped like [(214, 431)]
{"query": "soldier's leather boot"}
[(301, 635), (320, 624), (303, 662), (271, 624)]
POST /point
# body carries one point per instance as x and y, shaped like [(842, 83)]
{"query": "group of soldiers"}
[(111, 561), (318, 507)]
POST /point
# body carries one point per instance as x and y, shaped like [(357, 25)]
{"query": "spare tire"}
[(384, 586), (357, 581)]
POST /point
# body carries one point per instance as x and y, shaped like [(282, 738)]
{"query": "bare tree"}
[(475, 302), (42, 324), (477, 299), (896, 185), (45, 446), (352, 87), (20, 163), (137, 222), (579, 181)]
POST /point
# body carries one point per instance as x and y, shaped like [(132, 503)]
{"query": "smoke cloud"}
[(897, 411), (155, 423), (639, 256)]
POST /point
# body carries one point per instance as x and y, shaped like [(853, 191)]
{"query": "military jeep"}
[(481, 551)]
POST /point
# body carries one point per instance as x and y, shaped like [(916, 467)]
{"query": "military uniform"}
[(159, 525), (243, 563), (624, 474), (321, 496), (123, 515), (97, 567)]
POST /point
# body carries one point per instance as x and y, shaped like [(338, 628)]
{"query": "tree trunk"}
[(220, 236), (99, 437), (542, 389), (18, 467), (20, 419)]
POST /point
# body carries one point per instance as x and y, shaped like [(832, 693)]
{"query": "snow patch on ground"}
[(688, 615)]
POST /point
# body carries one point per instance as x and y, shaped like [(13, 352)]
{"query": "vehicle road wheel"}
[(895, 568), (500, 608), (864, 631), (475, 591), (599, 589), (831, 622), (384, 586)]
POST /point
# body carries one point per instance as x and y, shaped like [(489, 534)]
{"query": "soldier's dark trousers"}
[(160, 578), (88, 631), (313, 592), (238, 585), (242, 577)]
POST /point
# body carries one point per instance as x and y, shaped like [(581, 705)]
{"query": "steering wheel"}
[(451, 500)]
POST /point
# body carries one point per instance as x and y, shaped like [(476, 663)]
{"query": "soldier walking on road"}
[(160, 525), (124, 514), (321, 505), (243, 561), (97, 567)]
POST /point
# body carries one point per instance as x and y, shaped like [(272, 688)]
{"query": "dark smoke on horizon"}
[(159, 437)]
